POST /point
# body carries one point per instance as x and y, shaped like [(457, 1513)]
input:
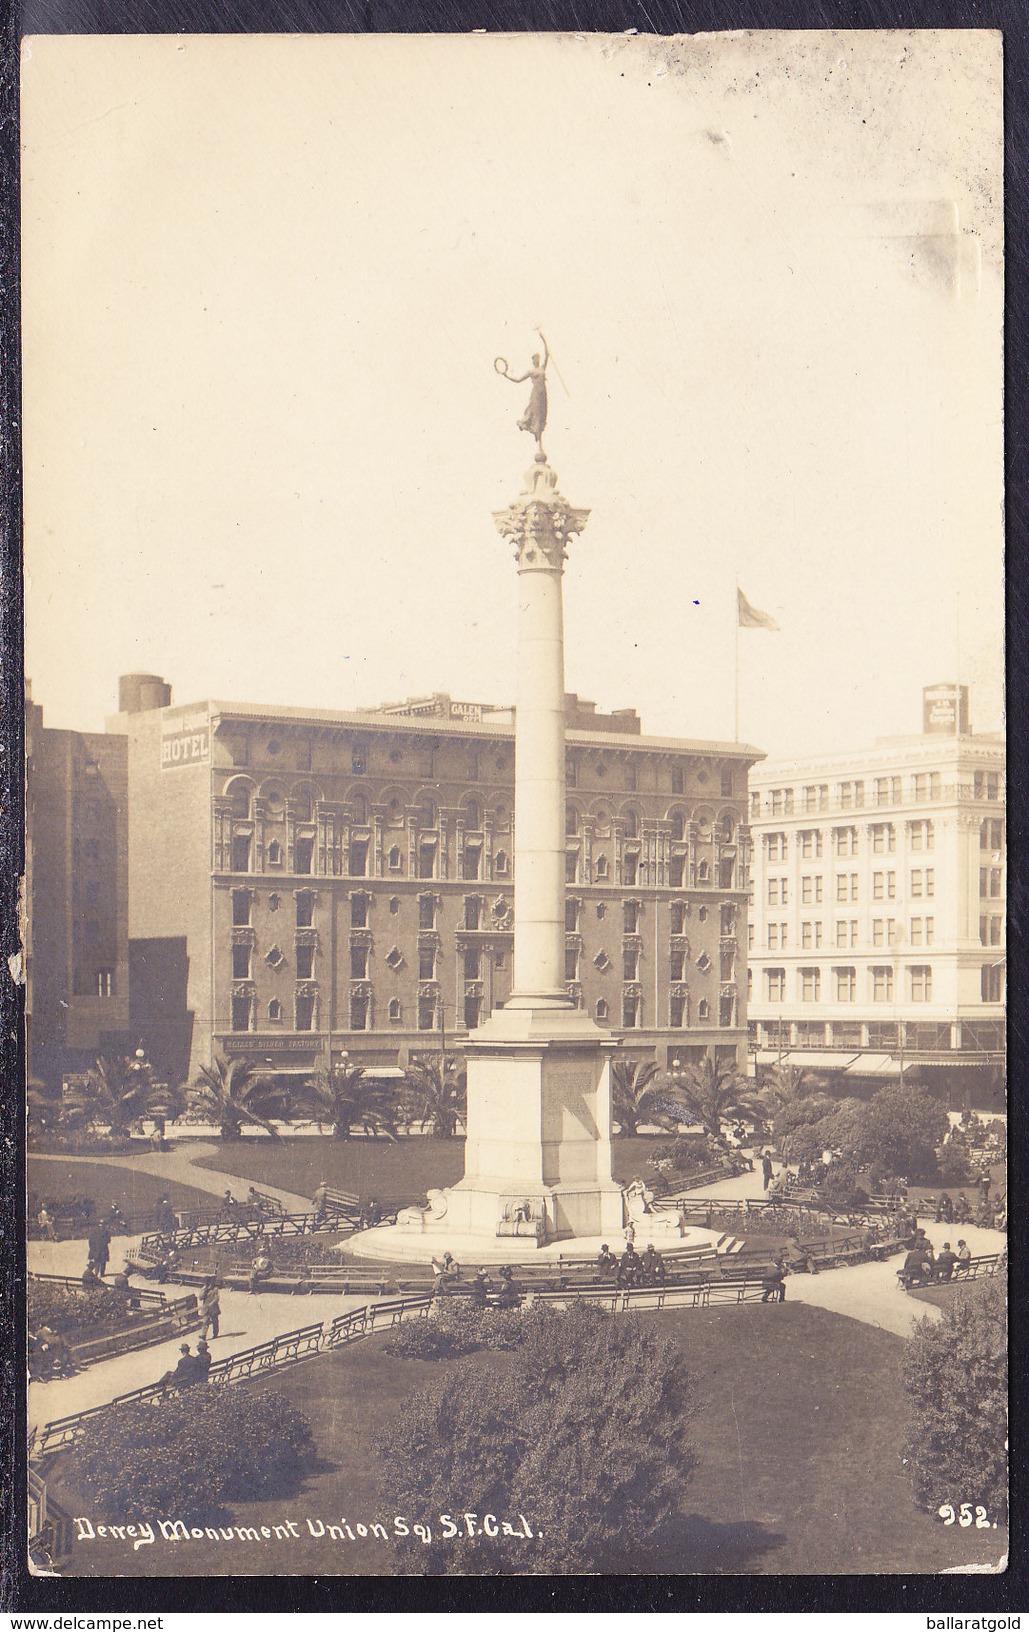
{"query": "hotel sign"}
[(945, 710), (186, 741)]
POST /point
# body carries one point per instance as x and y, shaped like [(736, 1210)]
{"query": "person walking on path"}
[(766, 1169), (210, 1308), (319, 1201), (46, 1223)]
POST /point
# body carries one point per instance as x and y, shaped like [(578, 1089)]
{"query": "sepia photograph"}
[(514, 908)]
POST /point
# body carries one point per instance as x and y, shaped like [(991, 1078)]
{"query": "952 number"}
[(965, 1515)]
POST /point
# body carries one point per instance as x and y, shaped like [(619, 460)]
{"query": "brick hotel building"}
[(299, 885)]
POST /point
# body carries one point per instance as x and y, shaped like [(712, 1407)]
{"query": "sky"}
[(265, 280)]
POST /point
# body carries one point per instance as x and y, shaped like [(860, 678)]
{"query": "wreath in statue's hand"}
[(501, 366)]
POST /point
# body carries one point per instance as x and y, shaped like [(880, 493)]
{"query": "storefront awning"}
[(807, 1059)]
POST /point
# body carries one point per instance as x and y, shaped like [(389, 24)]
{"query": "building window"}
[(630, 917), (305, 909), (887, 790), (395, 958), (703, 1009), (273, 902), (810, 842), (359, 963), (677, 1009), (571, 915), (810, 985), (571, 963), (846, 985), (632, 1010), (427, 963), (571, 866), (703, 963), (241, 853), (678, 915), (677, 966), (775, 844), (930, 931), (241, 963), (472, 963), (500, 864), (305, 962), (360, 1012), (630, 964), (922, 835), (775, 985), (882, 983), (992, 983), (811, 891), (275, 854), (357, 860), (394, 861), (274, 958), (921, 979), (358, 911), (426, 1013), (601, 1010), (927, 785), (851, 795), (241, 1007), (394, 1009), (602, 961), (357, 761), (426, 912), (603, 867), (884, 838), (630, 869), (241, 907), (810, 935), (472, 1009), (471, 861), (275, 1009), (105, 983), (755, 803), (930, 883), (991, 835), (846, 839)]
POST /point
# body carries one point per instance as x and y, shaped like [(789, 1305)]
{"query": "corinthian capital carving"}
[(540, 522)]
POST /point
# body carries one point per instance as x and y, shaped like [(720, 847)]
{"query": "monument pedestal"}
[(539, 1128)]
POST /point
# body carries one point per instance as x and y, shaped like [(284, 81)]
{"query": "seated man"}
[(945, 1261), (186, 1373), (798, 1261), (447, 1273), (773, 1282), (53, 1353), (203, 1360), (916, 1269), (606, 1261), (508, 1296), (653, 1267), (964, 1259), (261, 1270), (630, 1268), (480, 1289)]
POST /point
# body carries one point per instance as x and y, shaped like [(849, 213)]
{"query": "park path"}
[(174, 1166)]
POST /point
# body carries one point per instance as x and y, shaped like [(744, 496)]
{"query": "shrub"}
[(586, 1433), (955, 1377), (87, 1311), (455, 1328), (184, 1455), (954, 1166)]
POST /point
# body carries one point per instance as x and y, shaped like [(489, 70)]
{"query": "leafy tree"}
[(117, 1091), (714, 1092), (233, 1092), (956, 1381), (435, 1093), (896, 1132), (637, 1098), (345, 1097), (42, 1109), (587, 1435)]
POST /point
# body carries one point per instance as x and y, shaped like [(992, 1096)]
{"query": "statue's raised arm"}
[(534, 419)]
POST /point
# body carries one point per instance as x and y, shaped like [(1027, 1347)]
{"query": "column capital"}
[(540, 522)]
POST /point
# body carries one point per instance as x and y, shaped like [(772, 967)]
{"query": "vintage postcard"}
[(515, 890)]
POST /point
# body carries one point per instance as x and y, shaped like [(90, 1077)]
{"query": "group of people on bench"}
[(922, 1265), (631, 1269), (191, 1368)]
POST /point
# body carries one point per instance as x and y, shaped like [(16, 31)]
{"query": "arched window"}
[(302, 805), (394, 1008), (395, 813), (239, 793), (428, 815), (602, 823), (394, 860), (573, 821), (631, 823), (275, 854), (603, 867), (704, 1009), (359, 809), (678, 827), (703, 872), (601, 1010), (500, 863), (275, 1009), (473, 815)]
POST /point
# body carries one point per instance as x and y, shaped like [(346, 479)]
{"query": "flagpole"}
[(736, 624)]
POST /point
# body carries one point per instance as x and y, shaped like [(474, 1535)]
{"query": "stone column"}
[(539, 524)]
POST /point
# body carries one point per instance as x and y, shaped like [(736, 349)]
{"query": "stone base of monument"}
[(390, 1243)]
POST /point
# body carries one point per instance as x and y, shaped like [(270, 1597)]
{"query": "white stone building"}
[(877, 932)]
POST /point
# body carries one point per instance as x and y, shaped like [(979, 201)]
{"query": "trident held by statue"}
[(534, 420)]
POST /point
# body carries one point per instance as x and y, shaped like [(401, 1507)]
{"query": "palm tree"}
[(117, 1091), (345, 1097), (436, 1091), (712, 1092), (636, 1098), (792, 1098), (233, 1092)]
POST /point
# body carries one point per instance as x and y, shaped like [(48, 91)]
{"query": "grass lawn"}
[(135, 1194), (798, 1437), (377, 1167)]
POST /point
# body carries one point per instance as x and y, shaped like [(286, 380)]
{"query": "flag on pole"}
[(749, 617)]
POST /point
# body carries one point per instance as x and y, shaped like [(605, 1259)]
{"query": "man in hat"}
[(203, 1360)]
